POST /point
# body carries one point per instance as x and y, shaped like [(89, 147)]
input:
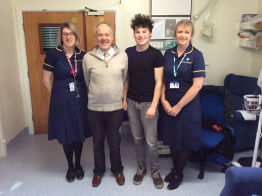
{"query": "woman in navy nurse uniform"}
[(184, 72), (68, 104)]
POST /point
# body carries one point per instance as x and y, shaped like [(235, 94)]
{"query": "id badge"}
[(176, 84), (72, 86), (172, 84)]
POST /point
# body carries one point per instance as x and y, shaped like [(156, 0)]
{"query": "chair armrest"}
[(238, 116), (242, 181)]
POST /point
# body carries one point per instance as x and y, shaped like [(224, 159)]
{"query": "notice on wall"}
[(171, 7), (164, 27)]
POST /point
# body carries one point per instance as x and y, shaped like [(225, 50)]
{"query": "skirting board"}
[(163, 150), (14, 141)]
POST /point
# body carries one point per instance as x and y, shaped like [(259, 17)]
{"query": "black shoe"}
[(79, 173), (70, 175), (170, 176), (175, 182)]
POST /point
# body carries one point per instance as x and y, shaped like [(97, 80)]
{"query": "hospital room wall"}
[(256, 64)]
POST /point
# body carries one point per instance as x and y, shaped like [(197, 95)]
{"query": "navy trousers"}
[(104, 124)]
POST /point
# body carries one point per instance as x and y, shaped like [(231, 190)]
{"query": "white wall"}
[(10, 89), (257, 54), (222, 52)]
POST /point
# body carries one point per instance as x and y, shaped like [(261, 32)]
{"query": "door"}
[(91, 22), (40, 97)]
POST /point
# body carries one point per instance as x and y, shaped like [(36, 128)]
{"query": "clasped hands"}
[(172, 111)]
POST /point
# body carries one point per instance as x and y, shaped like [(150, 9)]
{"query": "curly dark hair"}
[(141, 20)]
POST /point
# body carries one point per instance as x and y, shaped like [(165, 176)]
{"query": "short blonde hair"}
[(72, 28), (185, 23)]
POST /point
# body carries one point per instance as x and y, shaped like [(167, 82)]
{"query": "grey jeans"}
[(144, 132)]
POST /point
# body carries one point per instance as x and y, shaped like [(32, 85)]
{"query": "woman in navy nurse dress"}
[(180, 120), (68, 104)]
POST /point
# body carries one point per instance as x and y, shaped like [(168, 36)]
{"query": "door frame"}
[(22, 55), (3, 149)]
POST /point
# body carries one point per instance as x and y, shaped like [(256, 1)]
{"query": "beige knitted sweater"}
[(105, 81)]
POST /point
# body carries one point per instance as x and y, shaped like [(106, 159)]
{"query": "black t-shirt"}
[(141, 73)]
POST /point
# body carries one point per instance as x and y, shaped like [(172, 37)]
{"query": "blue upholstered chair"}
[(212, 108), (125, 120), (125, 116), (245, 131), (243, 181)]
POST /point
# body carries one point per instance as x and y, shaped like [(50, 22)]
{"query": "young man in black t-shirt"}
[(141, 96)]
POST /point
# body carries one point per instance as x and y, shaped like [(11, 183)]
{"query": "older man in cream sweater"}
[(105, 69)]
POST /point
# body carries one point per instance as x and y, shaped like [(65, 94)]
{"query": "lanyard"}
[(174, 67), (73, 71)]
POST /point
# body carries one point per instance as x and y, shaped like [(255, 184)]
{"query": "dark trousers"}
[(106, 124)]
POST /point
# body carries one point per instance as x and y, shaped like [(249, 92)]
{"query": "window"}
[(48, 35)]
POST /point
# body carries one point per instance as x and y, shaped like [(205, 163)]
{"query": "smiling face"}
[(142, 36), (68, 38), (183, 35), (104, 37)]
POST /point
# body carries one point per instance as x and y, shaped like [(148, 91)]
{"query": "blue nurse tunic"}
[(184, 130), (67, 120)]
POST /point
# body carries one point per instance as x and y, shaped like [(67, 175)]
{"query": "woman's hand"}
[(190, 94), (175, 110), (47, 76), (166, 106)]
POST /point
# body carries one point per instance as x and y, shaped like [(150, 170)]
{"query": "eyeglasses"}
[(66, 34)]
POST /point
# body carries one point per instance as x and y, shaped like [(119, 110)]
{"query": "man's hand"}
[(124, 104), (150, 113)]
